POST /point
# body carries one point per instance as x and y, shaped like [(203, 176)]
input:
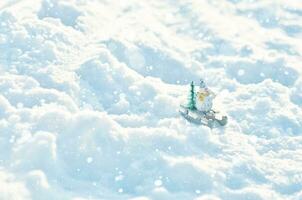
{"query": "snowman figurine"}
[(204, 98)]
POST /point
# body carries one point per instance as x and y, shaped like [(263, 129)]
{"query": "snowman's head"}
[(202, 84)]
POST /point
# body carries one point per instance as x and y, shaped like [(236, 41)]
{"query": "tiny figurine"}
[(199, 107)]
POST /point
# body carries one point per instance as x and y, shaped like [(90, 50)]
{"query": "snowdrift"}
[(90, 90)]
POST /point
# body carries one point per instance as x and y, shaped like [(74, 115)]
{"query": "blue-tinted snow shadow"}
[(251, 73), (149, 61), (66, 13), (282, 48), (242, 174), (269, 18)]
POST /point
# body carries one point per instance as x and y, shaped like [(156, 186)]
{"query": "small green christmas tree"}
[(192, 98)]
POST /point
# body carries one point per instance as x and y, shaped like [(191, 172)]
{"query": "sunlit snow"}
[(90, 91)]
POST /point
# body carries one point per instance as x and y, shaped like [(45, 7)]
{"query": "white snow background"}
[(90, 90)]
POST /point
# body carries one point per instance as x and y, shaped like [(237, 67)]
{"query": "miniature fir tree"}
[(192, 98)]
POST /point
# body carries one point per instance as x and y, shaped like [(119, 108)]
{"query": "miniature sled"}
[(211, 118)]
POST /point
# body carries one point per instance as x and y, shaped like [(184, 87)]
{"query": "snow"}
[(90, 91)]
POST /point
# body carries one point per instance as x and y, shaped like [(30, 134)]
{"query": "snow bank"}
[(11, 188), (89, 92)]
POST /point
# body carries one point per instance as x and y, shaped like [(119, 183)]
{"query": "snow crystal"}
[(241, 72), (158, 183), (89, 160), (119, 178)]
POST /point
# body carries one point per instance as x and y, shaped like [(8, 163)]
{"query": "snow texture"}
[(90, 90)]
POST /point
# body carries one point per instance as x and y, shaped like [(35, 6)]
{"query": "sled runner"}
[(211, 118)]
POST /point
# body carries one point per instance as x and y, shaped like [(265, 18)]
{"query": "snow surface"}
[(89, 93)]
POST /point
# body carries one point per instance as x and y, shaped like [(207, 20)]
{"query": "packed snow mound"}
[(65, 11), (90, 91)]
